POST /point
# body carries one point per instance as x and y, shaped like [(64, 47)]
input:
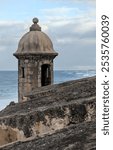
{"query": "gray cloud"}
[(71, 30), (9, 37), (75, 41)]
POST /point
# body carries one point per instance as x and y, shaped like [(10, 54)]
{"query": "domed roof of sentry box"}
[(35, 42)]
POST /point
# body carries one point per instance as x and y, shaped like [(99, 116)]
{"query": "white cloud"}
[(76, 1), (57, 11), (75, 40), (71, 29), (11, 31)]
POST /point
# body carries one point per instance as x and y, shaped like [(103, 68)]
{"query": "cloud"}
[(85, 1), (76, 1), (59, 10), (10, 31), (74, 39), (73, 33), (71, 29)]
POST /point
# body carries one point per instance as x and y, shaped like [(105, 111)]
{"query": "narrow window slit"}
[(23, 72)]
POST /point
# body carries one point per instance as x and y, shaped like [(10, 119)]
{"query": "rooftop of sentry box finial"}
[(35, 20), (35, 26)]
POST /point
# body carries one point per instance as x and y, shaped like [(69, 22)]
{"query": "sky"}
[(70, 24)]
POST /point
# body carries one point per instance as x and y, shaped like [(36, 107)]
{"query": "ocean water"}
[(9, 82)]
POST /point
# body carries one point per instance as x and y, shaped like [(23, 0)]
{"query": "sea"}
[(9, 82)]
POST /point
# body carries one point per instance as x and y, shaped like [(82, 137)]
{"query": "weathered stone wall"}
[(74, 137), (50, 109), (48, 120)]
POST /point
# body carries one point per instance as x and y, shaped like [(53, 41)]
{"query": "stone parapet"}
[(66, 110)]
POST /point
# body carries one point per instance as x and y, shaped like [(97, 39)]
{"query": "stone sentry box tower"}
[(35, 56)]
